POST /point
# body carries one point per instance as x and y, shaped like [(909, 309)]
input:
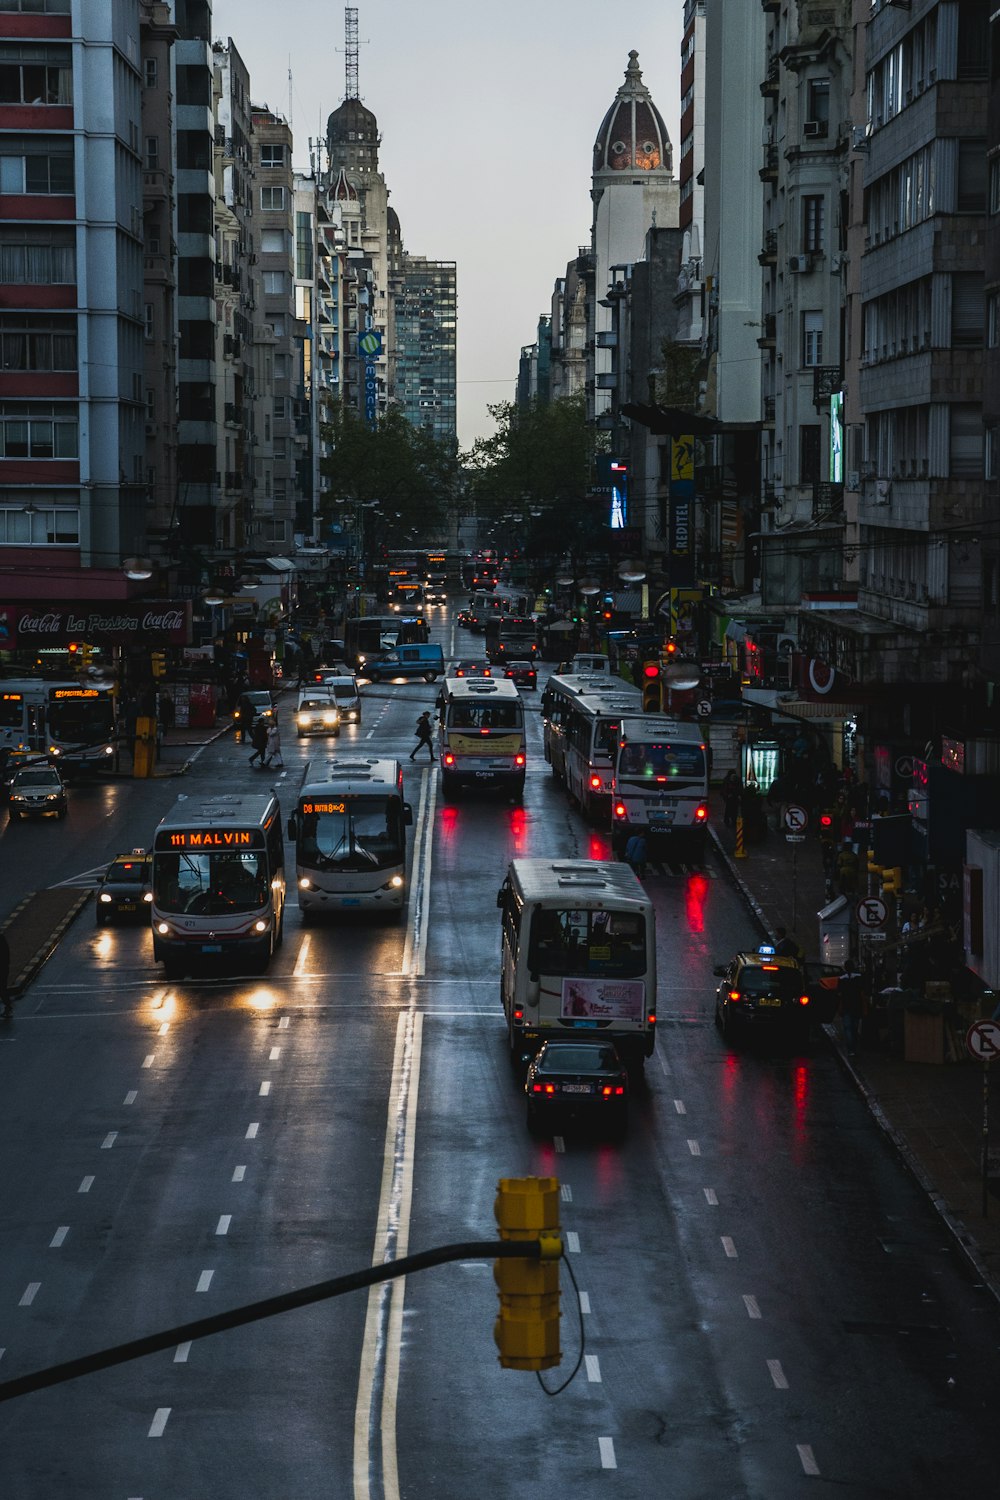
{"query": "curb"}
[(21, 981), (964, 1240)]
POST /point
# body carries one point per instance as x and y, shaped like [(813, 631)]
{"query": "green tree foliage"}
[(411, 472)]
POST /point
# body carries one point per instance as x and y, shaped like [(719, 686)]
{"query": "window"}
[(991, 470), (273, 242), (993, 319), (809, 446), (994, 199), (814, 222), (37, 257), (41, 172), (966, 441), (149, 320), (272, 197), (275, 283), (272, 155), (38, 430), (33, 73), (967, 308), (152, 153), (45, 527), (36, 342), (150, 72), (818, 104), (812, 338), (971, 195)]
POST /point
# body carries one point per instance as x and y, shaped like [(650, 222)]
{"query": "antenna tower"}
[(351, 50)]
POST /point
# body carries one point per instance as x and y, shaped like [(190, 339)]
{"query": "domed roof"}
[(352, 121), (632, 134)]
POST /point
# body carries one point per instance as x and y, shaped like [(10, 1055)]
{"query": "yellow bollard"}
[(144, 747), (739, 852)]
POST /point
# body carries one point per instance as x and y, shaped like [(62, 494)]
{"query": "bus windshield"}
[(597, 944), (662, 760), (77, 721), (485, 716), (352, 833), (210, 884)]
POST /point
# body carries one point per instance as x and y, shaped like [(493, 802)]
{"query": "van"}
[(418, 660), (586, 661), (345, 693)]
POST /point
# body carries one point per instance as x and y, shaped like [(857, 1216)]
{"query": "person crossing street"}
[(425, 736)]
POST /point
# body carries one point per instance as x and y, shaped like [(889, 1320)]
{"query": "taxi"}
[(762, 992), (126, 890)]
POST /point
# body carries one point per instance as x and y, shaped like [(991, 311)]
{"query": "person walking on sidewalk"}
[(258, 739), (425, 736), (731, 798), (786, 946), (8, 1008), (850, 997), (273, 745)]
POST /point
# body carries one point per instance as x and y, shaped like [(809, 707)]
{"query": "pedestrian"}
[(273, 745), (850, 997), (847, 869), (635, 854), (786, 946), (258, 739), (731, 798), (8, 1008), (425, 736)]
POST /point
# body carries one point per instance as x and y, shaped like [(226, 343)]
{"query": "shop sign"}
[(160, 622)]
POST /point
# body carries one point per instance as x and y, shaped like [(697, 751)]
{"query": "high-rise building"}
[(425, 323)]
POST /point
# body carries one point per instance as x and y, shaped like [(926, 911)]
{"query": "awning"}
[(280, 564), (800, 709)]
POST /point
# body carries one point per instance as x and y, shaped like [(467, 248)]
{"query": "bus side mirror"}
[(407, 813), (500, 895), (293, 828)]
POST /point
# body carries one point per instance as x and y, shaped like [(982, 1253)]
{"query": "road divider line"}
[(109, 1140), (181, 1353), (239, 1173), (204, 1281), (59, 1237), (159, 1422), (680, 1106), (572, 1242), (275, 1054), (711, 1197), (694, 1148), (223, 1225), (86, 1185), (777, 1375), (807, 1458), (29, 1294), (147, 1061), (751, 1305), (729, 1245), (593, 1368), (585, 1303), (252, 1130), (265, 1088), (131, 1096), (606, 1447), (283, 1023), (300, 959)]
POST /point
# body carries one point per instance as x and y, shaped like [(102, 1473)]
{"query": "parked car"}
[(35, 791), (522, 674), (248, 706), (126, 889)]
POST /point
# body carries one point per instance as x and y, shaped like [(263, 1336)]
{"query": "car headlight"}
[(147, 896), (104, 897), (52, 796), (302, 719), (18, 797), (109, 749), (330, 718)]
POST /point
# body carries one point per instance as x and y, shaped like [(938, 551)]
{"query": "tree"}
[(405, 467)]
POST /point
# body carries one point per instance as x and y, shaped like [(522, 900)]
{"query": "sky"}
[(488, 117)]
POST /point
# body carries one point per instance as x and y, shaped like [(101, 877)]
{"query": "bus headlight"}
[(147, 896), (109, 749), (163, 928), (260, 925), (396, 882), (305, 884)]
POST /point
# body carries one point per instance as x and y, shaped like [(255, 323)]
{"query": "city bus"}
[(582, 715), (218, 882), (660, 783), (73, 721), (481, 736), (349, 829), (370, 635), (578, 955), (511, 638)]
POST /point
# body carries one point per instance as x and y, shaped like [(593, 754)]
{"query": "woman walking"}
[(273, 746)]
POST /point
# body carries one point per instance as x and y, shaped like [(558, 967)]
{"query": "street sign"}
[(795, 838), (872, 912), (796, 818), (705, 708), (983, 1040), (873, 937)]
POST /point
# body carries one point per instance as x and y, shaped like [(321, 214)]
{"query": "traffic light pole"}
[(269, 1307)]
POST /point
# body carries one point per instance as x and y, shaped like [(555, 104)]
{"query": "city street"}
[(768, 1300)]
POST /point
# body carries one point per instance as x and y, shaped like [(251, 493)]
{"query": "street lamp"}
[(137, 568), (631, 571)]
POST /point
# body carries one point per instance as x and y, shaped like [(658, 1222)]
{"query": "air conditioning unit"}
[(813, 127), (860, 138), (799, 263)]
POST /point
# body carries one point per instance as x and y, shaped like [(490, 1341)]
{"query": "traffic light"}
[(892, 881), (158, 663), (651, 697), (527, 1330)]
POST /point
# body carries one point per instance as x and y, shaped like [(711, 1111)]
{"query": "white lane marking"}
[(239, 1173), (181, 1353), (223, 1225), (694, 1148), (711, 1196), (86, 1185), (2, 1353), (380, 1351), (59, 1237), (418, 910), (252, 1131), (164, 1027), (566, 1193), (283, 1023), (680, 1106), (275, 1054), (370, 733), (265, 1089), (204, 1281), (585, 1303), (572, 1242), (131, 1096), (300, 960), (607, 1449), (109, 1140), (29, 1294), (753, 1310), (147, 1061), (558, 1143), (728, 1244), (159, 1421), (807, 1458), (777, 1375), (593, 1368)]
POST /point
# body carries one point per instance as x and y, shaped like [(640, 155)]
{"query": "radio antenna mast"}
[(351, 51)]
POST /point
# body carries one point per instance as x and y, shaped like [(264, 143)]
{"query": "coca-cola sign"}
[(161, 623)]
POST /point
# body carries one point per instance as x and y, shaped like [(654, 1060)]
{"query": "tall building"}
[(425, 324), (691, 174)]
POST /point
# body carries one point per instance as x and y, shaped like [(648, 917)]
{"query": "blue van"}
[(424, 660)]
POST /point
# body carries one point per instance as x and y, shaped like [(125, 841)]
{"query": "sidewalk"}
[(933, 1113)]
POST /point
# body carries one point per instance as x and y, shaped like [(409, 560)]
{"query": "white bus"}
[(72, 720), (578, 955), (582, 717), (661, 783), (218, 882), (349, 828), (481, 736)]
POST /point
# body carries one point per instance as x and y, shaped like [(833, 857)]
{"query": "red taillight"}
[(661, 778), (803, 999), (700, 813), (771, 968), (734, 995), (519, 1015), (651, 1018), (610, 1091), (595, 782), (519, 760), (449, 759), (548, 1088), (484, 731), (619, 809)]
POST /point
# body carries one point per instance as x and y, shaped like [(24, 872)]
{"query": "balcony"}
[(233, 414), (768, 254), (827, 381), (771, 81), (768, 332), (769, 171), (768, 411)]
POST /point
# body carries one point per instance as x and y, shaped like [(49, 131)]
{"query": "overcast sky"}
[(488, 116)]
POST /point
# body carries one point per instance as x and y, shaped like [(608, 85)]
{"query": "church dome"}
[(352, 121), (633, 136)]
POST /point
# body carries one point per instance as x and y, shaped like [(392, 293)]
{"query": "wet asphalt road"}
[(769, 1303)]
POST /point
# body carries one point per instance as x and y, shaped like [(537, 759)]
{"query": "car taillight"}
[(484, 731), (612, 1090), (734, 995), (449, 759), (700, 813), (519, 760), (619, 809), (543, 1088), (651, 1018), (803, 999), (595, 782)]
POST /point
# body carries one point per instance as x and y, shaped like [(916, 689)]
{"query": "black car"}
[(126, 890), (763, 993), (248, 707), (586, 1079), (471, 668)]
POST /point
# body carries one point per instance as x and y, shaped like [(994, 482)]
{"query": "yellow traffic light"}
[(158, 663), (527, 1330)]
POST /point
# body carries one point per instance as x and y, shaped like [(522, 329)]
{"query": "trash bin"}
[(923, 1034)]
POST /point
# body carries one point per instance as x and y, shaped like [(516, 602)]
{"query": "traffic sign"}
[(796, 818), (705, 708), (795, 838), (872, 911), (983, 1040)]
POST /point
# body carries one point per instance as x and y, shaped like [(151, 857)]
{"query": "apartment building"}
[(159, 209)]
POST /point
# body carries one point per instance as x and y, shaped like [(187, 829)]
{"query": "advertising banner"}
[(603, 999), (680, 554), (160, 623)]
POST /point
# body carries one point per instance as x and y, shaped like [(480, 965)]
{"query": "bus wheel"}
[(279, 936)]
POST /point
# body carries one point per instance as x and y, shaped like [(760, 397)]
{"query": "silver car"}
[(35, 791)]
